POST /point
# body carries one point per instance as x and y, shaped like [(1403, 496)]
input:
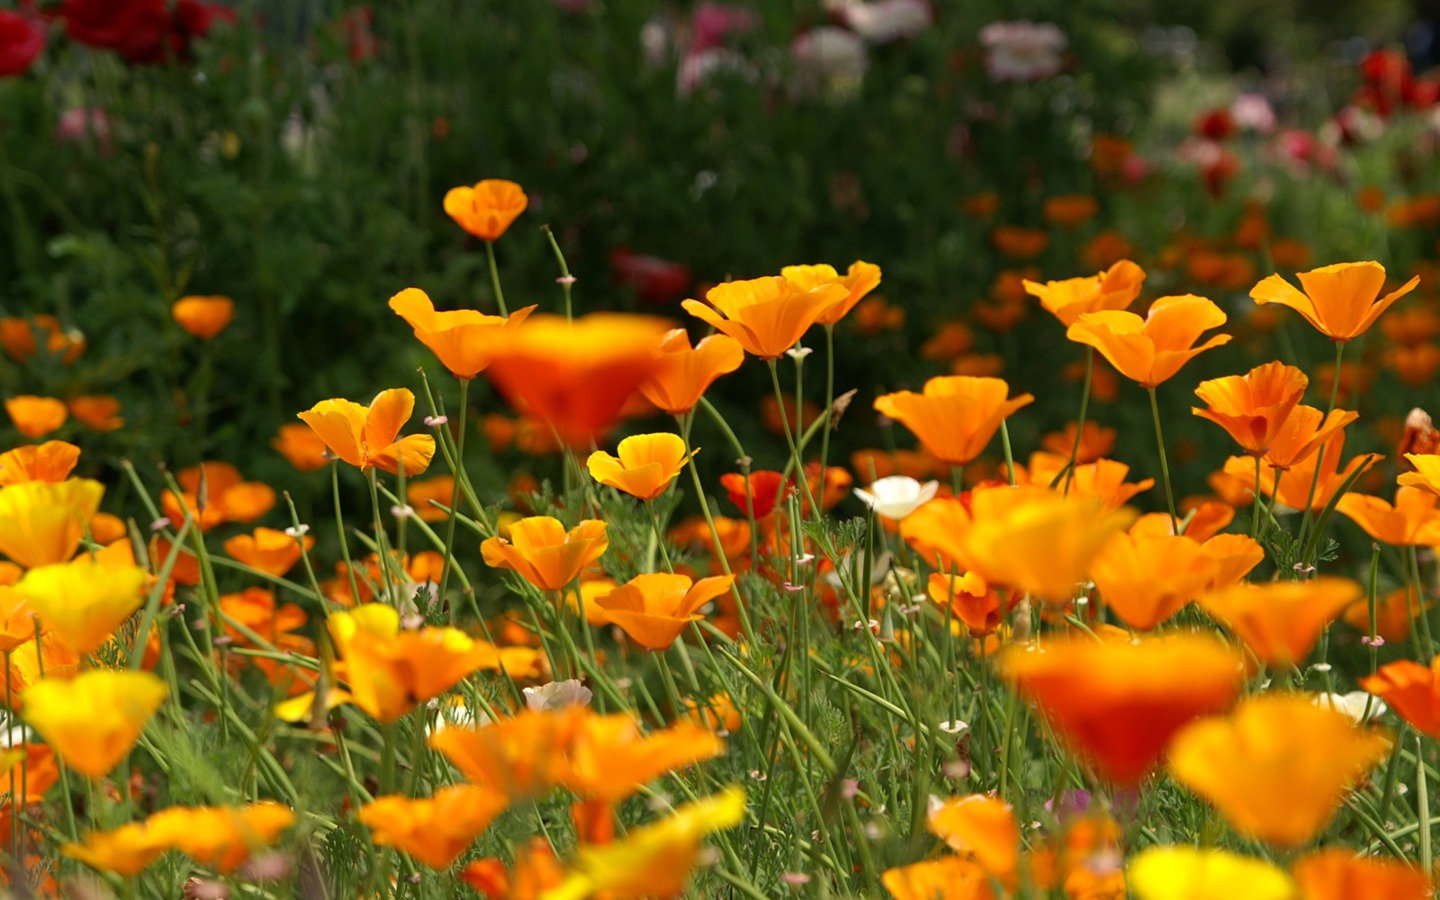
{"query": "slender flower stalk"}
[(1164, 463)]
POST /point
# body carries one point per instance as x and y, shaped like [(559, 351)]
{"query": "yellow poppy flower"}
[(369, 436), (93, 720), (646, 464)]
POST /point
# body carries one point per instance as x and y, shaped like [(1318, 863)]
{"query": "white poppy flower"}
[(897, 496), (1353, 705), (557, 695)]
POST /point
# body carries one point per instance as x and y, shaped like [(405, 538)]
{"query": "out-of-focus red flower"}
[(136, 29), (359, 38), (654, 280), (21, 42), (194, 19), (759, 491), (1215, 124)]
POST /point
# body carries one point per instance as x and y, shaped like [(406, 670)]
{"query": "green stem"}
[(790, 440), (1080, 425), (829, 400), (459, 463), (495, 278), (566, 279), (1164, 463)]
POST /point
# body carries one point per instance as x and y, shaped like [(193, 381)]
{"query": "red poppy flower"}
[(21, 41), (762, 489)]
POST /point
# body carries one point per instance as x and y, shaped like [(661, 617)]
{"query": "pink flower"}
[(1022, 51), (654, 280), (714, 22)]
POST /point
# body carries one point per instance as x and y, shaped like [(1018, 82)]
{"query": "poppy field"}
[(423, 478)]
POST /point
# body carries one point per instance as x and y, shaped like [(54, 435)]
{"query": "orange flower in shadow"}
[(683, 375), (369, 436), (203, 317), (1118, 704), (956, 416), (1341, 301), (487, 209), (1277, 768), (1151, 350), (456, 338), (1253, 407), (1280, 621), (214, 492), (767, 315)]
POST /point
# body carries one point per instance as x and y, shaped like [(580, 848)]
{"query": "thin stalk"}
[(566, 279), (790, 439), (495, 278), (1164, 462), (1305, 521), (1084, 410), (459, 461)]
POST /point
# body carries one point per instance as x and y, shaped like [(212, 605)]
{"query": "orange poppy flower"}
[(1336, 873), (756, 493), (1115, 288), (1037, 540), (1414, 366), (1102, 480), (766, 315), (487, 209), (970, 599), (126, 851), (1280, 621), (524, 755), (18, 338), (82, 602), (1413, 520), (50, 462), (945, 878), (93, 720), (440, 488), (654, 609), (1339, 300), (369, 436), (1070, 210), (610, 759), (35, 417), (937, 531), (1412, 690), (1148, 580), (1234, 555), (17, 619), (256, 610), (544, 553), (434, 830), (1306, 430), (97, 412), (1019, 243), (1151, 350), (956, 416), (682, 375), (215, 492), (301, 446), (535, 871), (456, 338), (42, 523), (268, 550), (645, 467), (1277, 768), (1253, 407), (1295, 482), (390, 670), (1118, 704), (574, 376), (203, 317), (653, 860), (859, 280), (983, 828), (1394, 614), (218, 836), (1096, 441), (717, 713)]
